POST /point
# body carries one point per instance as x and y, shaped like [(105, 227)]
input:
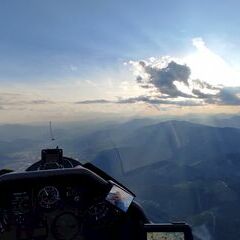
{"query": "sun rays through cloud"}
[(200, 78)]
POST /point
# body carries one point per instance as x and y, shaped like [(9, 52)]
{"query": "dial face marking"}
[(48, 196), (98, 211)]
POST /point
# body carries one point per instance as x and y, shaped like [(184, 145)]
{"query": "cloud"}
[(171, 79), (171, 83), (16, 100), (41, 101), (156, 101), (229, 96), (142, 99), (163, 78), (95, 101), (167, 80), (199, 43)]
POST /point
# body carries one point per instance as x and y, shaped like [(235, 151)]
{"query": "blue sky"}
[(48, 42), (40, 38)]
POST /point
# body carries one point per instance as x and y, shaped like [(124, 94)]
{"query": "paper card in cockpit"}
[(119, 198)]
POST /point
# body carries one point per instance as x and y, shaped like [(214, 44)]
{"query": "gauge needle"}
[(46, 192)]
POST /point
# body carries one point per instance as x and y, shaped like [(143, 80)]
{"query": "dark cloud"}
[(162, 82), (95, 101), (229, 96), (143, 99), (41, 101), (199, 94), (139, 79), (226, 96), (204, 85), (142, 63), (157, 101), (163, 78)]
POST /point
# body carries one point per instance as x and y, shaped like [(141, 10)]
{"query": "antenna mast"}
[(51, 131)]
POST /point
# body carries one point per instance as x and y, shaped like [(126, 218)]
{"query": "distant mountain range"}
[(180, 170), (217, 121), (179, 142)]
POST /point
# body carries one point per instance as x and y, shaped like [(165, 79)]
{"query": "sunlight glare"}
[(210, 67)]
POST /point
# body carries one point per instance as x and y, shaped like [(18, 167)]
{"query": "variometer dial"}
[(98, 211)]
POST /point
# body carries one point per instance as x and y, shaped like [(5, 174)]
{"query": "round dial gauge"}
[(48, 197), (24, 206), (66, 227), (98, 212)]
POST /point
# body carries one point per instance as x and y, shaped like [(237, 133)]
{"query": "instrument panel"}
[(67, 204), (55, 211)]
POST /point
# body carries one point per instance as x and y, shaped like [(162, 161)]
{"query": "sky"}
[(65, 60)]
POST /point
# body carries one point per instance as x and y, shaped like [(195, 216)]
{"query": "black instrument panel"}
[(58, 206), (62, 209)]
